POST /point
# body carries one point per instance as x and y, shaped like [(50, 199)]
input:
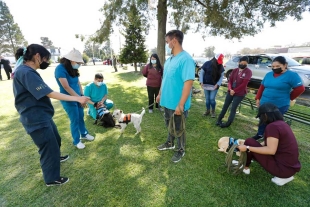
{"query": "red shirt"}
[(238, 81), (287, 151), (153, 76)]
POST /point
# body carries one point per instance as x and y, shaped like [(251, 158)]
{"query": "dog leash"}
[(142, 109)]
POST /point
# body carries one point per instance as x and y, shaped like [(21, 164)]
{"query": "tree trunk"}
[(135, 65), (161, 30)]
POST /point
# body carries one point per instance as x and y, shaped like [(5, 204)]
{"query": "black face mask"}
[(242, 66), (277, 70), (44, 65)]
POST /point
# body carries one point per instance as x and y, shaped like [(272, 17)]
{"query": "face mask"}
[(168, 49), (242, 66), (44, 65), (277, 70), (99, 83), (153, 61), (76, 66)]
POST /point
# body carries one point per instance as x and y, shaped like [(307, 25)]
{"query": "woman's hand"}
[(257, 103), (232, 92), (82, 99), (216, 86), (242, 148)]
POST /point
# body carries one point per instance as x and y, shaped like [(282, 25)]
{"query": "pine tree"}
[(134, 50), (11, 37)]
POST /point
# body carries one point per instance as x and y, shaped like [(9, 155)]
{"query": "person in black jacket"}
[(6, 66)]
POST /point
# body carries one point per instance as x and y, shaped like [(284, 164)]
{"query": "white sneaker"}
[(150, 111), (88, 137), (245, 171), (80, 145), (281, 181)]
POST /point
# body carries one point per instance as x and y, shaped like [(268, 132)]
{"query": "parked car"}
[(107, 62), (302, 60), (199, 61), (261, 64)]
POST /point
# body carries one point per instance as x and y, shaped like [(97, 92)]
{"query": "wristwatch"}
[(248, 148)]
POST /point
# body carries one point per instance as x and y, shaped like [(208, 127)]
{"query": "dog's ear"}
[(121, 111)]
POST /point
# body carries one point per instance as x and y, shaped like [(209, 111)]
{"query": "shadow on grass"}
[(128, 170), (130, 76)]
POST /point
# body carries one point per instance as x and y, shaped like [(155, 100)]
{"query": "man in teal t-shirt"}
[(98, 92), (175, 92)]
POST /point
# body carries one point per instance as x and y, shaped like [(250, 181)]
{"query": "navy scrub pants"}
[(48, 141)]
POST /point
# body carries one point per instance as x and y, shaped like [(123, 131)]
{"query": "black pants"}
[(152, 94), (181, 141), (7, 73), (235, 103), (48, 141), (115, 68)]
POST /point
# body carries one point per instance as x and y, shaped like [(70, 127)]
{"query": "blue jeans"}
[(76, 115), (262, 127), (210, 99)]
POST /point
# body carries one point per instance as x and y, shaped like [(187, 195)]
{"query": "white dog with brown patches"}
[(225, 144), (125, 119)]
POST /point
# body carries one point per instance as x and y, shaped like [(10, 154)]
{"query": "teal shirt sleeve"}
[(188, 71), (295, 80), (60, 72), (87, 91)]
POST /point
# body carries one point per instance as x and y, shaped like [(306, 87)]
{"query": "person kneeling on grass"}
[(279, 153), (98, 93)]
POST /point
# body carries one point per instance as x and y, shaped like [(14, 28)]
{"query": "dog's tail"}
[(143, 112)]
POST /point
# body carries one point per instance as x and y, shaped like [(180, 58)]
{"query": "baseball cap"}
[(74, 55), (219, 58), (265, 108)]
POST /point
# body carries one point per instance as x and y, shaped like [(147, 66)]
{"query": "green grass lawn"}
[(128, 170)]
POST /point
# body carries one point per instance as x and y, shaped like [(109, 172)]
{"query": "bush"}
[(85, 58)]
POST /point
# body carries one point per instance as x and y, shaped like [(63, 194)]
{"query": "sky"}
[(60, 20)]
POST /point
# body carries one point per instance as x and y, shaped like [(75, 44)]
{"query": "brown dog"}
[(225, 143)]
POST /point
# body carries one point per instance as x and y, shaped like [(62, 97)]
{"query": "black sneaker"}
[(178, 156), (257, 137), (62, 180), (64, 158), (166, 146)]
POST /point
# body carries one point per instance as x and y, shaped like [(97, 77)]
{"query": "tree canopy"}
[(134, 50), (11, 37), (209, 51), (227, 18)]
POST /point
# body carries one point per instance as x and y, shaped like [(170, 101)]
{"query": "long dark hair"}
[(72, 72), (32, 50), (269, 113), (158, 65), (216, 70)]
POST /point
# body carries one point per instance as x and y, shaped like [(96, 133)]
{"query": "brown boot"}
[(207, 113), (213, 114)]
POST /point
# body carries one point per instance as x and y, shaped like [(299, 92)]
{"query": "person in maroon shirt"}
[(237, 89), (153, 73), (278, 154)]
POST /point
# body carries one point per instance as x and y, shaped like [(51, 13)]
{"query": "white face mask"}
[(99, 83), (168, 49), (153, 61)]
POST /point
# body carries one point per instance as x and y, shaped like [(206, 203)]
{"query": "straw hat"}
[(74, 55)]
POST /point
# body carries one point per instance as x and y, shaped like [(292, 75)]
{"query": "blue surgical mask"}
[(168, 49), (153, 61), (76, 66)]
